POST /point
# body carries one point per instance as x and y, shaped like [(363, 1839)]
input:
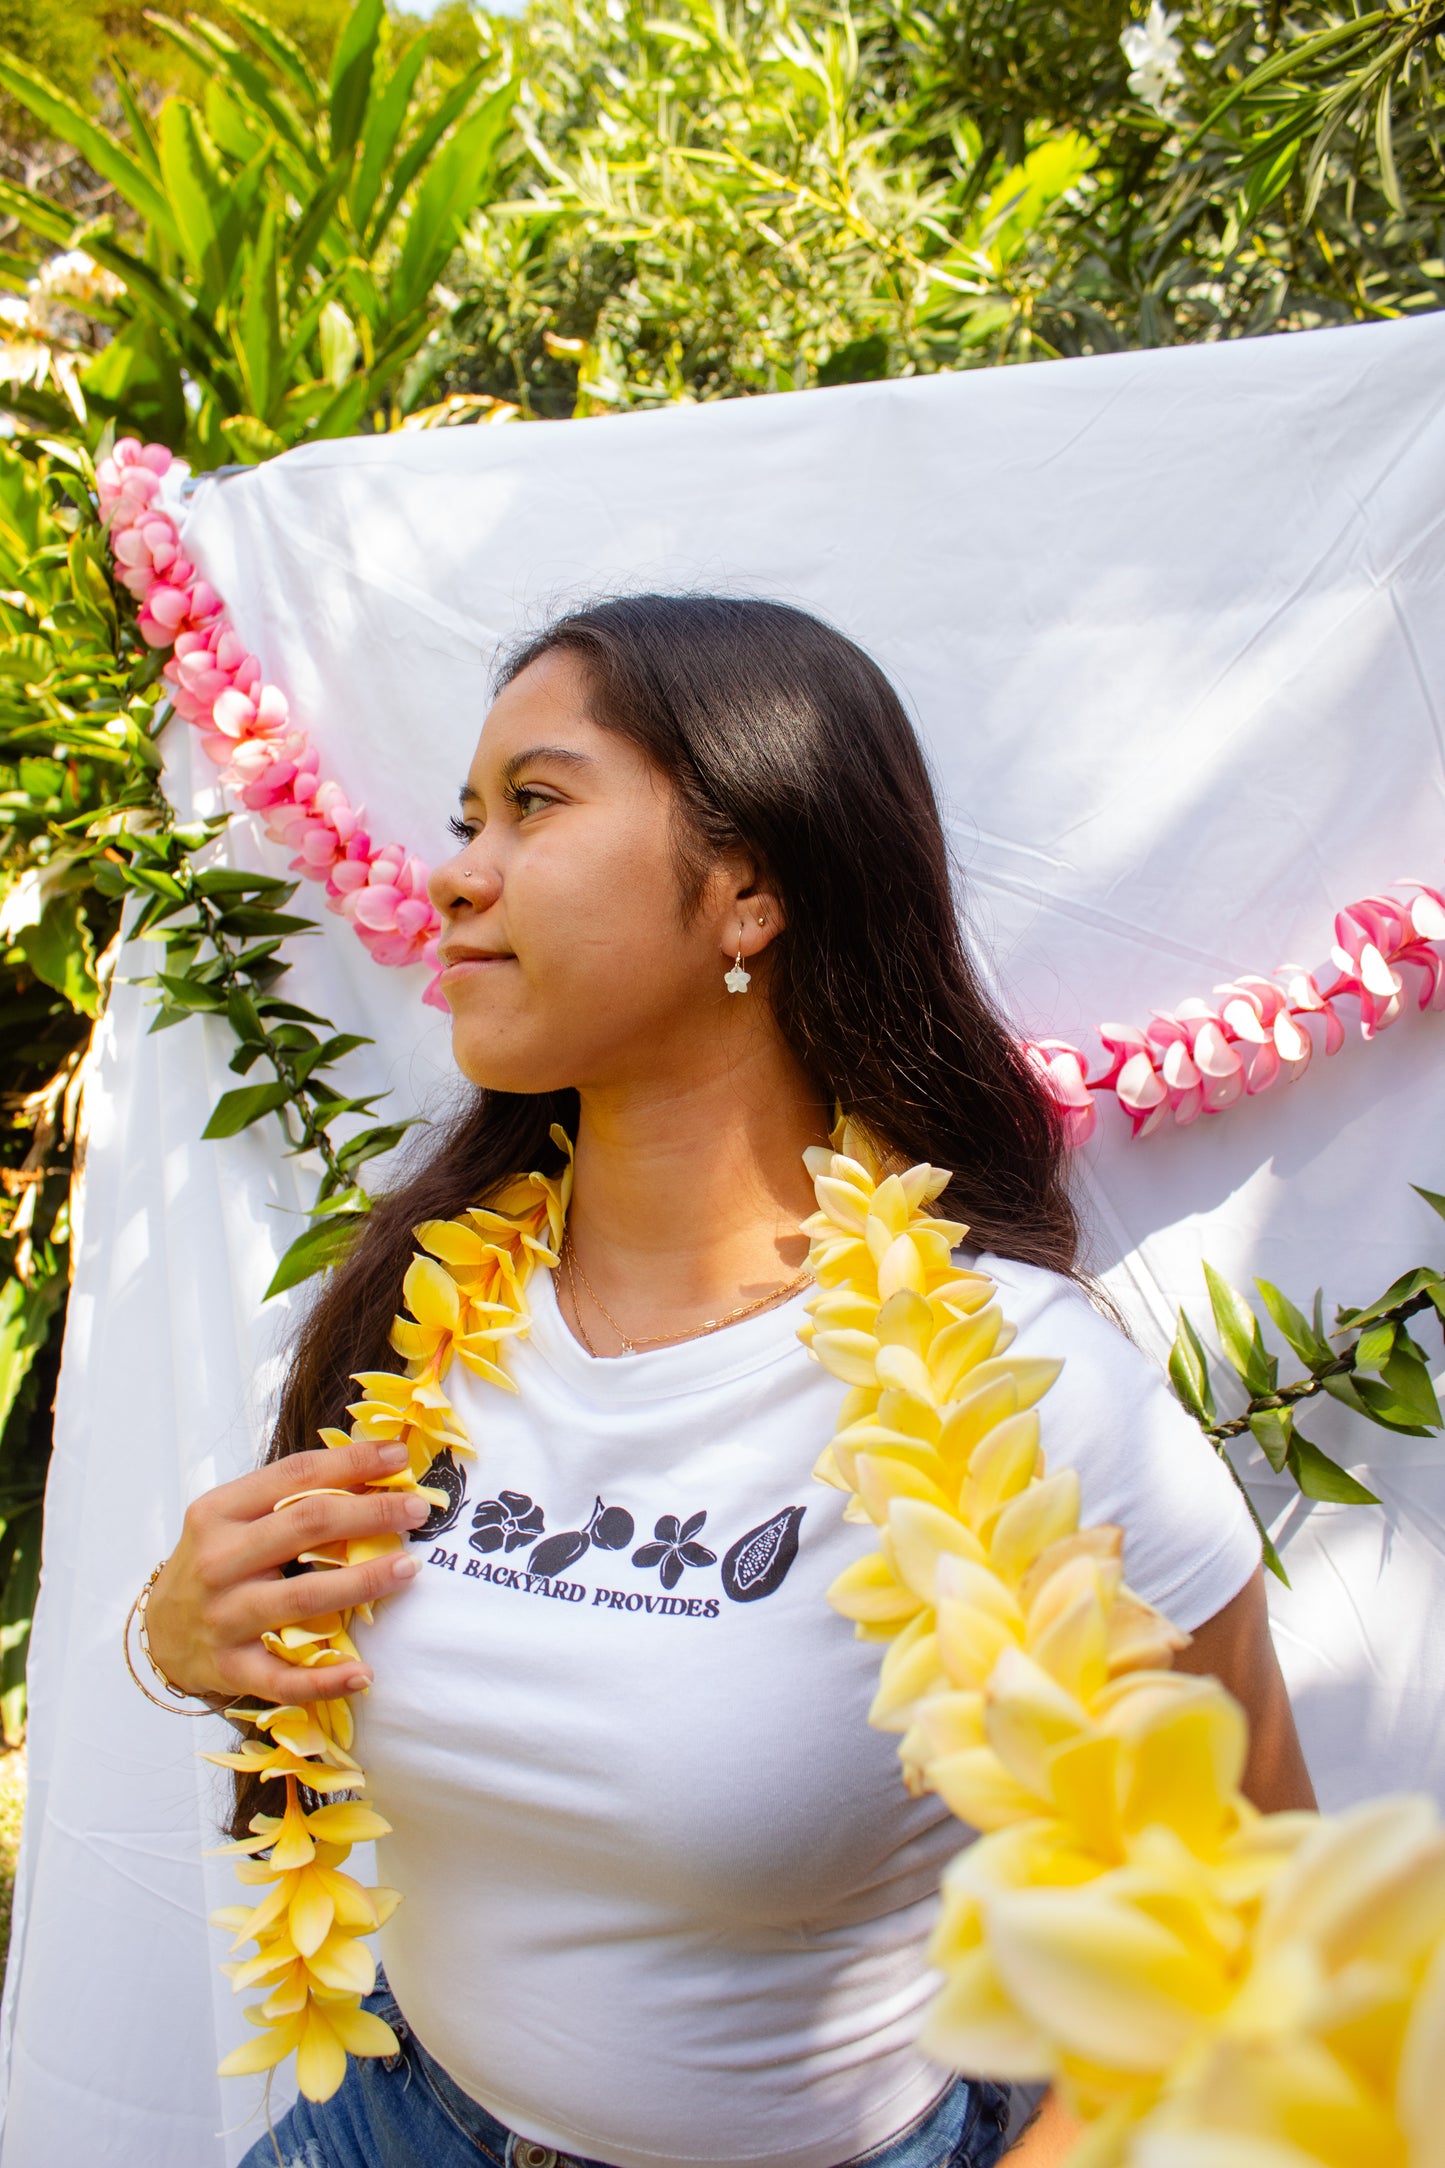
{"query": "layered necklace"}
[(572, 1266), (1104, 1928)]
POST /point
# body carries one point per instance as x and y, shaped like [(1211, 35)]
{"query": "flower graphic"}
[(511, 1519), (674, 1548)]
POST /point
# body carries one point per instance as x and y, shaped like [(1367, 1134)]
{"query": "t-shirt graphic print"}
[(755, 1565), (666, 1898)]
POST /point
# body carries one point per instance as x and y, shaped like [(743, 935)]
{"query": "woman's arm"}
[(1234, 1647)]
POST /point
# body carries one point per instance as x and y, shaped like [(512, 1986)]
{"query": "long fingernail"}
[(392, 1456), (402, 1569), (357, 1681), (415, 1511)]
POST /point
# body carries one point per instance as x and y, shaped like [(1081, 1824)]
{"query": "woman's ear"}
[(750, 914)]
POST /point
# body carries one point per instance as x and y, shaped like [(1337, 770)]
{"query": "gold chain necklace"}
[(662, 1339)]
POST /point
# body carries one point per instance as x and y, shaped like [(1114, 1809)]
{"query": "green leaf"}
[(251, 439), (1272, 1558), (61, 116), (322, 1245), (249, 918), (24, 1319), (59, 950), (344, 1042), (351, 66), (1376, 1402), (234, 881), (286, 57), (446, 198), (1409, 1284), (383, 131), (1408, 1378), (155, 883), (17, 1609), (370, 1143), (38, 213), (1272, 1429), (1324, 1479), (256, 98), (235, 1111), (289, 1011), (245, 1017), (1189, 1372), (420, 148), (1239, 1333), (1295, 1328), (1432, 1197), (259, 342), (194, 183), (1372, 1349), (304, 235), (192, 993), (138, 120)]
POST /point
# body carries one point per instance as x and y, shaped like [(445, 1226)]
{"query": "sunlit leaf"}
[(324, 1244), (1321, 1478), (235, 1111), (1239, 1333)]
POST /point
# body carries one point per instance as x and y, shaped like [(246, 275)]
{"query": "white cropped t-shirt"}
[(665, 1897)]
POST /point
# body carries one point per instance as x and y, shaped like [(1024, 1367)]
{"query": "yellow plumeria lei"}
[(467, 1295), (1209, 1987)]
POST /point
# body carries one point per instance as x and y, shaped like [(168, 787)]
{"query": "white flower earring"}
[(739, 979)]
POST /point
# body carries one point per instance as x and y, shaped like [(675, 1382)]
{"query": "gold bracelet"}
[(138, 1610)]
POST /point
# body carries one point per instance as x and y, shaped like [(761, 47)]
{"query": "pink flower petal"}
[(376, 907)]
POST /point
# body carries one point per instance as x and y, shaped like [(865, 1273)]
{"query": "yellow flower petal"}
[(1003, 1464), (920, 1534), (362, 2032), (263, 2053), (430, 1293), (961, 1348), (310, 1914), (1101, 1978), (320, 2057), (1046, 1513), (869, 1592)]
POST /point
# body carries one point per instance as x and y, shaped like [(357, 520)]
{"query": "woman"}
[(666, 1899)]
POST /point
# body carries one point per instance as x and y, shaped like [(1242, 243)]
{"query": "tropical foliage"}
[(277, 220)]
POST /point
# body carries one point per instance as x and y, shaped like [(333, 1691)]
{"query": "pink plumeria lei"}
[(1206, 1056), (246, 726), (1200, 1058)]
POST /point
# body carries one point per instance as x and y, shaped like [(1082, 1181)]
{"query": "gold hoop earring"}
[(738, 980)]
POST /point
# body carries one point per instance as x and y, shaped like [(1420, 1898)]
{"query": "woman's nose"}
[(462, 883)]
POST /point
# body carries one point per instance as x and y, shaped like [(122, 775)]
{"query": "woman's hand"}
[(222, 1587)]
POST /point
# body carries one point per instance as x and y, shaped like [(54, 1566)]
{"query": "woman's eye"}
[(462, 830), (526, 800)]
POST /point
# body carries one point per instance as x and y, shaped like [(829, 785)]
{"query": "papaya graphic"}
[(758, 1562), (443, 1475)]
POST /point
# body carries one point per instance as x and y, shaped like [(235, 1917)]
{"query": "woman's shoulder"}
[(1044, 1305)]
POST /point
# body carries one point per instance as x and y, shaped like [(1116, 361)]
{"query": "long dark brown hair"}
[(781, 738)]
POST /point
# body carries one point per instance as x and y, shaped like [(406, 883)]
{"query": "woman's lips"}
[(461, 967)]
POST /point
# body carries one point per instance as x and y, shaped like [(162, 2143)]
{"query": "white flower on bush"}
[(75, 276), (1152, 52)]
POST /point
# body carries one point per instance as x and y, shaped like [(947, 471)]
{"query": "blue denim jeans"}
[(403, 2111)]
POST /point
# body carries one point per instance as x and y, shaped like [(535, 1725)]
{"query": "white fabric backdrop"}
[(1172, 625)]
